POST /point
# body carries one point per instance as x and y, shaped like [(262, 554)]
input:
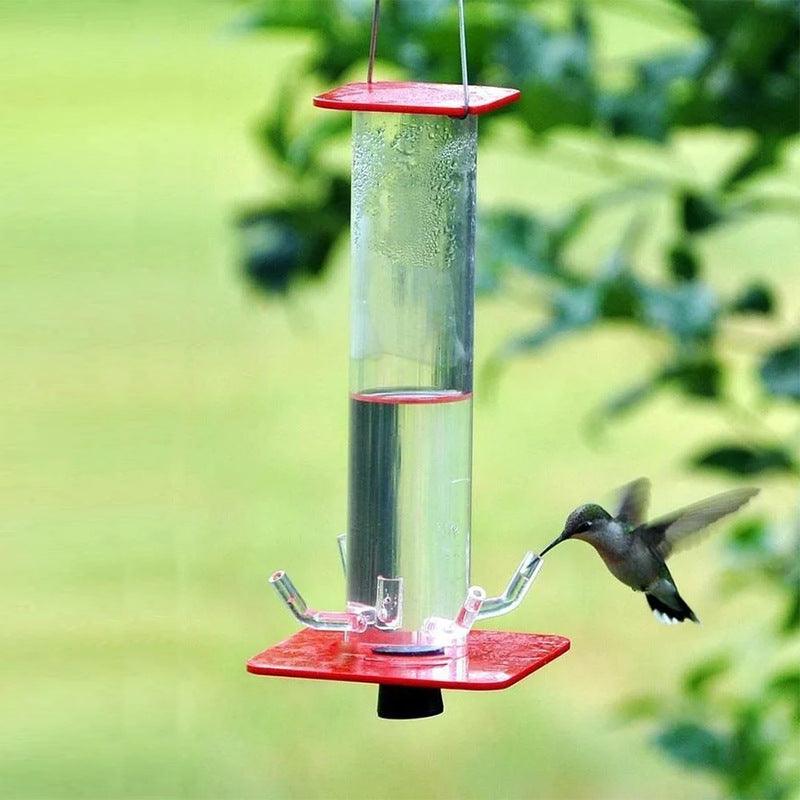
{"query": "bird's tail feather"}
[(676, 611)]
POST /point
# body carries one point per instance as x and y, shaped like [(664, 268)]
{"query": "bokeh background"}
[(172, 434)]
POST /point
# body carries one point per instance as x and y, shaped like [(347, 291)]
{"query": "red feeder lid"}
[(443, 99), (494, 660)]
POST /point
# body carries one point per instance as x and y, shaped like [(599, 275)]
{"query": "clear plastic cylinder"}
[(412, 308)]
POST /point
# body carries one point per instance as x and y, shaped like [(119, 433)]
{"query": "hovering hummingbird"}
[(635, 551)]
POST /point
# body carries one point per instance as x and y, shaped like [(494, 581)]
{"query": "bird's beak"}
[(553, 544)]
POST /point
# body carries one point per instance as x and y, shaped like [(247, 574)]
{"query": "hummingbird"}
[(636, 551)]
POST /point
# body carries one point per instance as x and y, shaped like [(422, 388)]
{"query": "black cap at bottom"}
[(408, 702)]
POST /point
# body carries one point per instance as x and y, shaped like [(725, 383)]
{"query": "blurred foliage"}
[(739, 70), (739, 728)]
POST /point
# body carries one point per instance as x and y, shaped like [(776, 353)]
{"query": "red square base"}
[(494, 660)]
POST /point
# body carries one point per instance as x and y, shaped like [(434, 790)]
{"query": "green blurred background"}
[(169, 439)]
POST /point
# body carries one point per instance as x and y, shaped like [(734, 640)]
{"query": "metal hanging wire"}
[(373, 38), (462, 41)]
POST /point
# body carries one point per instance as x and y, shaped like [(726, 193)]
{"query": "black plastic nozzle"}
[(408, 702)]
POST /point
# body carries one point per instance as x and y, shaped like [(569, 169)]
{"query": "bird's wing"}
[(672, 532), (634, 498)]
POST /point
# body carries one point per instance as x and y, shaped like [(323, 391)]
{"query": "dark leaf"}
[(751, 459), (757, 298), (273, 251), (512, 239), (642, 112), (619, 297), (780, 371), (554, 70), (283, 245), (699, 377), (695, 747), (699, 212), (763, 155), (684, 265)]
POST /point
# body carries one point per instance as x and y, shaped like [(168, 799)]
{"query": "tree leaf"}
[(758, 298), (695, 746), (780, 371), (624, 402), (619, 296), (749, 536), (281, 245), (641, 707), (699, 376), (689, 311), (791, 619), (684, 264), (750, 459), (699, 212), (699, 678), (763, 155), (512, 239)]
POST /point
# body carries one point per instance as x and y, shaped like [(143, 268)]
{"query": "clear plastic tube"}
[(412, 303)]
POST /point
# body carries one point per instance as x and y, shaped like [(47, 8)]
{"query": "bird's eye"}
[(584, 526)]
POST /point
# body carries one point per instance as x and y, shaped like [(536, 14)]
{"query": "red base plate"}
[(443, 99), (494, 660)]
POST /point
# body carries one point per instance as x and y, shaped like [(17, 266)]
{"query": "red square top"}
[(444, 99)]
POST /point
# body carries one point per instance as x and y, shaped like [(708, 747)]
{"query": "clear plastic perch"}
[(310, 617)]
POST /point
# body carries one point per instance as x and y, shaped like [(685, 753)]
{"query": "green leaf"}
[(619, 297), (699, 376), (273, 249), (786, 685), (751, 459), (553, 69), (780, 371), (304, 149), (281, 245), (536, 339), (642, 113), (758, 298), (750, 536), (309, 14), (689, 311), (763, 155), (791, 619), (698, 212), (512, 239), (695, 746), (625, 401), (642, 707), (684, 264), (699, 678)]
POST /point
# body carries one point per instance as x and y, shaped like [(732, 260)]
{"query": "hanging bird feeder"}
[(410, 607)]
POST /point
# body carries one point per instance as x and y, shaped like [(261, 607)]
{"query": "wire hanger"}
[(462, 36)]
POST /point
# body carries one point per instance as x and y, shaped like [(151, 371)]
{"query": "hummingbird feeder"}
[(410, 607)]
